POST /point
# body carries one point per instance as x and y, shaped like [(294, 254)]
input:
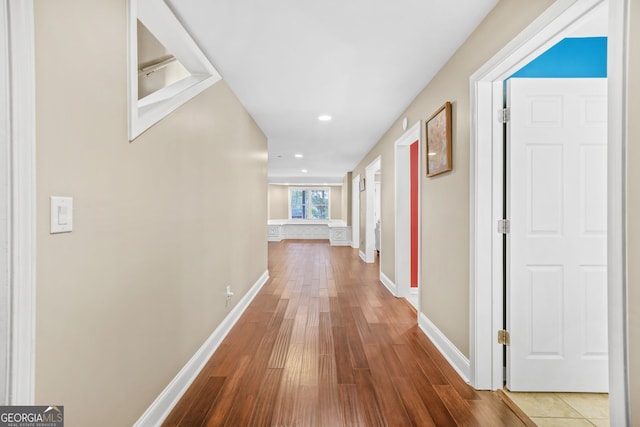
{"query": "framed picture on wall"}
[(438, 136), (362, 185)]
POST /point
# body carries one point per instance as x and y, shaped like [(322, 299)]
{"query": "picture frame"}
[(438, 140), (362, 185)]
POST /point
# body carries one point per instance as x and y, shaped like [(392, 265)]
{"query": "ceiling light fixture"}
[(304, 171), (324, 118), (298, 156)]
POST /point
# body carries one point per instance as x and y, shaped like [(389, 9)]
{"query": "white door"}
[(557, 193)]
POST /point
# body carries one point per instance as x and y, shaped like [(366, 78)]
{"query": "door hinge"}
[(504, 226), (504, 115), (503, 337)]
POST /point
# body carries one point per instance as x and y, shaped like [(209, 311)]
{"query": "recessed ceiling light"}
[(304, 171), (324, 118), (298, 156)]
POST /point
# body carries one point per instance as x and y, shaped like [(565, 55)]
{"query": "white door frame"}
[(5, 259), (370, 246), (486, 194), (403, 214), (18, 78), (355, 212)]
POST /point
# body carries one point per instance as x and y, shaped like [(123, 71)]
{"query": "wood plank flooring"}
[(325, 344)]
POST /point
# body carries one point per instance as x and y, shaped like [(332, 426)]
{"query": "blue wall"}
[(571, 57)]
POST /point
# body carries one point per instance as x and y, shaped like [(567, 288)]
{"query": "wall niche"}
[(166, 66)]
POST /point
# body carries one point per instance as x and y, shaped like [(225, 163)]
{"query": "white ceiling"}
[(362, 62)]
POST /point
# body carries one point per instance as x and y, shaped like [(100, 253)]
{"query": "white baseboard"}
[(162, 406), (455, 358), (363, 257), (388, 284), (414, 295)]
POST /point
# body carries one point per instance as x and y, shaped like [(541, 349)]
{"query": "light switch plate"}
[(61, 214)]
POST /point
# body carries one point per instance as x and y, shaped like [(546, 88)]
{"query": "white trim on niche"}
[(162, 406), (165, 26), (22, 201)]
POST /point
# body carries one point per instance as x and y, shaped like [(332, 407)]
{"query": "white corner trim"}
[(363, 257), (388, 283), (450, 352), (162, 406), (23, 202)]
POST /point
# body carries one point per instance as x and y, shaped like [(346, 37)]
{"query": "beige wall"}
[(128, 297), (633, 213), (445, 198), (279, 202), (346, 198), (336, 202)]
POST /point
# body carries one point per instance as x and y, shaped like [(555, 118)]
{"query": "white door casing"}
[(377, 202), (355, 212), (18, 79), (403, 215), (557, 287), (370, 172), (4, 204)]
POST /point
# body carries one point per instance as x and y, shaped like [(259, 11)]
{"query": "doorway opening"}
[(371, 229), (407, 219), (487, 97), (355, 212)]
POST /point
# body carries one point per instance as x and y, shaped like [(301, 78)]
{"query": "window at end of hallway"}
[(309, 203)]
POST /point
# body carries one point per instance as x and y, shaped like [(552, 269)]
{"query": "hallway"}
[(325, 344)]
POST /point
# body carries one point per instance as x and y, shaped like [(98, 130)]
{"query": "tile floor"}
[(564, 409)]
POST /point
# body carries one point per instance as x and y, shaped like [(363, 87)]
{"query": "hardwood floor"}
[(325, 344)]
